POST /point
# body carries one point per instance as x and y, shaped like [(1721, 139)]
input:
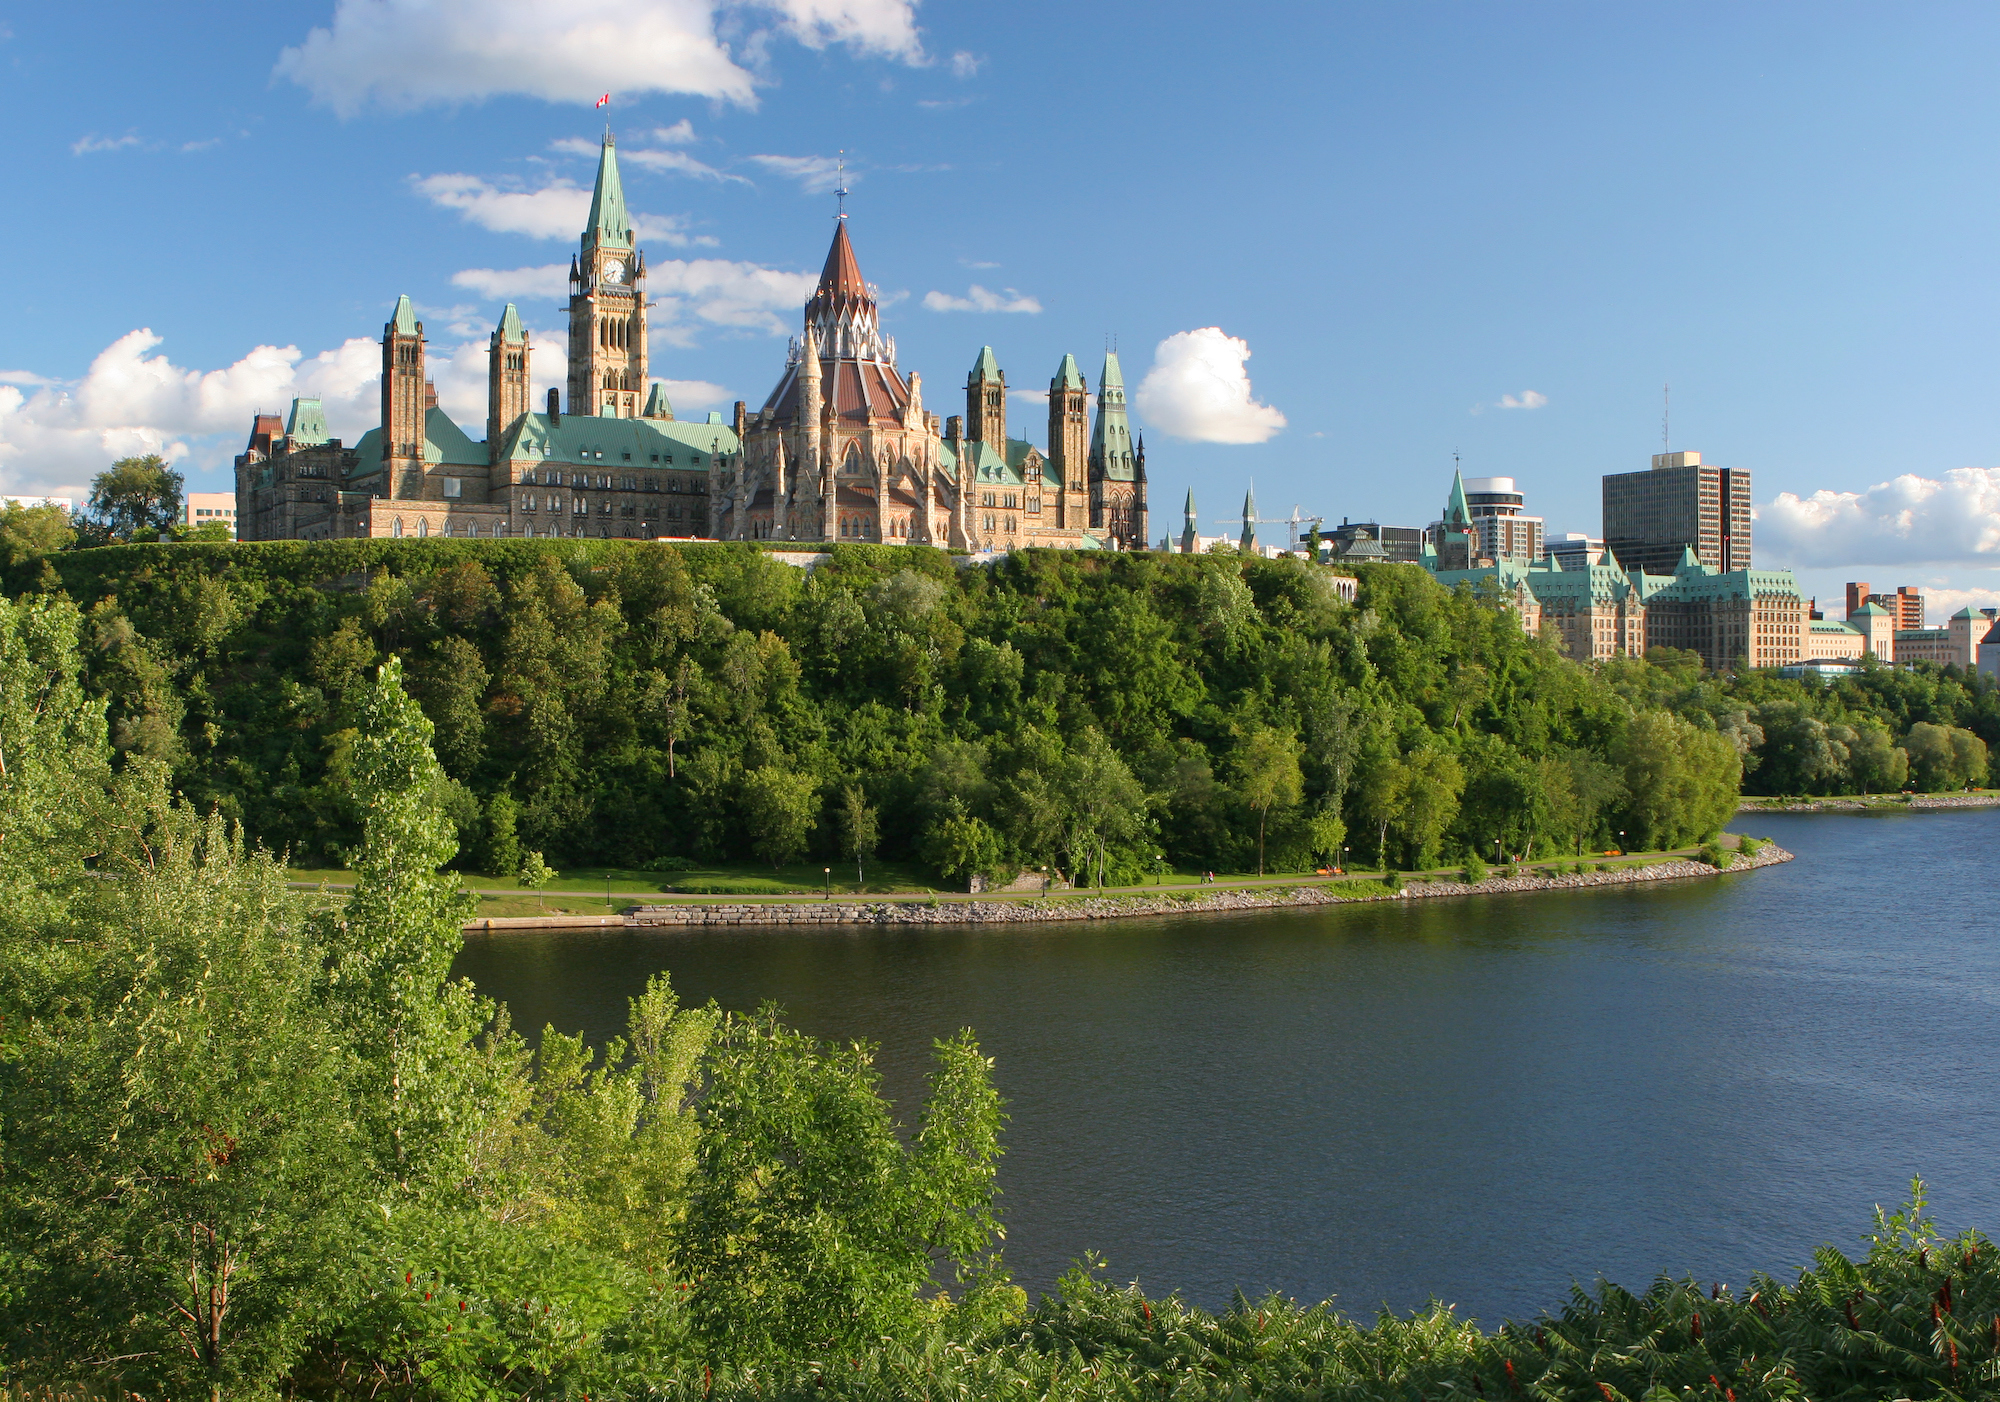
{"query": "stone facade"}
[(843, 449), (619, 464)]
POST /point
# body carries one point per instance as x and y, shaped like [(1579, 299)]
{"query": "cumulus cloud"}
[(965, 65), (130, 402), (1526, 399), (1953, 519), (681, 133), (817, 175), (686, 293), (403, 54), (978, 299), (1198, 389), (1941, 604), (646, 158), (558, 210)]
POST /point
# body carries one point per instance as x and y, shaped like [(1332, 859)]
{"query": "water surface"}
[(1482, 1099)]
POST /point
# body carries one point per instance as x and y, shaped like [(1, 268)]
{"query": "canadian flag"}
[(604, 101)]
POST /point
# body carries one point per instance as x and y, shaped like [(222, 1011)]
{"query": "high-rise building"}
[(1501, 531), (1681, 504), (1905, 606), (1399, 544)]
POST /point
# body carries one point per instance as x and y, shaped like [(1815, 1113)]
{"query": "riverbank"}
[(1870, 803), (692, 915)]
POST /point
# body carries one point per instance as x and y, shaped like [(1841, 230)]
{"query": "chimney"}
[(742, 419), (555, 407), (430, 396)]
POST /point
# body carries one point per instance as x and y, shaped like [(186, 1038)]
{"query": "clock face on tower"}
[(614, 271)]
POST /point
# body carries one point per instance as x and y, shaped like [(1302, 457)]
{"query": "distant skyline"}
[(1335, 244)]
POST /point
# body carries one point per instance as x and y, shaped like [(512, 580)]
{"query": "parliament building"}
[(842, 450)]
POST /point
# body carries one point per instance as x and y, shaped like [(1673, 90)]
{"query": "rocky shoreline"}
[(694, 916), (1882, 805)]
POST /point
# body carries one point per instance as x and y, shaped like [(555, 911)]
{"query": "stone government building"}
[(843, 448)]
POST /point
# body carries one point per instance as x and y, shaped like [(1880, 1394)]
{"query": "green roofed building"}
[(618, 463)]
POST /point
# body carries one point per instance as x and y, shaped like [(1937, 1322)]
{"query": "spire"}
[(986, 366), (608, 225), (1457, 514), (1248, 541), (1069, 375), (657, 406), (1111, 439), (840, 279), (1187, 512), (405, 319), (510, 331)]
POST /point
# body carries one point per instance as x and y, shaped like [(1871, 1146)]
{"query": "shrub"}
[(1475, 871), (535, 873), (1750, 846), (672, 864), (1604, 866), (1717, 856), (1393, 880)]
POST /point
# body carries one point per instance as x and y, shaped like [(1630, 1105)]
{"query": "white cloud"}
[(91, 144), (1954, 519), (1526, 399), (965, 65), (681, 133), (23, 377), (129, 402), (694, 394), (558, 210), (1198, 389), (1941, 604), (715, 291), (515, 284), (817, 175), (676, 162), (404, 54), (978, 299)]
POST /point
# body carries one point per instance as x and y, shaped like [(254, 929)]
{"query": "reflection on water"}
[(1481, 1099)]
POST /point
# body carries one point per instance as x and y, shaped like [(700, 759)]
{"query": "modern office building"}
[(1500, 529), (1955, 644), (1398, 544), (1680, 504), (1905, 606), (201, 508), (1576, 551)]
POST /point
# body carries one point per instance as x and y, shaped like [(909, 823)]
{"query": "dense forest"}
[(637, 705), (259, 1145)]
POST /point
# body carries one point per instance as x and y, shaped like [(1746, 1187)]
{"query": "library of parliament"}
[(842, 450)]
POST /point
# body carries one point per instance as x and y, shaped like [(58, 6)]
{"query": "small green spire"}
[(1248, 543), (1456, 512), (405, 319), (306, 424), (1188, 511), (657, 406), (609, 225), (1111, 437), (1069, 375), (511, 331), (1112, 377), (986, 367)]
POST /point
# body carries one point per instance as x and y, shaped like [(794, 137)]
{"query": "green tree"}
[(1101, 802), (137, 496), (1681, 782), (858, 829), (502, 855), (1264, 767), (1874, 763), (777, 806), (958, 845), (31, 532), (812, 1229)]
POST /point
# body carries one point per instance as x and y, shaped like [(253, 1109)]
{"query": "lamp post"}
[(1621, 842), (1159, 868), (829, 882), (1343, 861)]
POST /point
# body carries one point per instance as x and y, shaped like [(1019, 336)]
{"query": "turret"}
[(1190, 527), (506, 381), (986, 402), (1069, 441), (403, 394), (1247, 542)]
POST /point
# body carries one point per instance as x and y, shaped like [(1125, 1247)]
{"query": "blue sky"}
[(1409, 216)]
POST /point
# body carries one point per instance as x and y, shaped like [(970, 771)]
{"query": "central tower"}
[(607, 304)]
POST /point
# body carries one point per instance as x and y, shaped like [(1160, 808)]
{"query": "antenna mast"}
[(840, 182)]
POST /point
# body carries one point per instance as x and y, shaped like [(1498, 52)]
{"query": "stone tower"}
[(607, 304), (506, 380), (1069, 443), (1190, 527), (403, 402), (1116, 491), (986, 402)]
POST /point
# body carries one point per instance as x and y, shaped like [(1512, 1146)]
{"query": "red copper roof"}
[(840, 280), (861, 392)]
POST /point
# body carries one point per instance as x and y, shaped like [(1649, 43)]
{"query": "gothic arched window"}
[(396, 528)]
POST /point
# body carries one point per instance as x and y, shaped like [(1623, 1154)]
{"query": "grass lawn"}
[(603, 891), (1873, 800)]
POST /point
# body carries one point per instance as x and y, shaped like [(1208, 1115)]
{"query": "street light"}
[(1159, 868), (829, 882)]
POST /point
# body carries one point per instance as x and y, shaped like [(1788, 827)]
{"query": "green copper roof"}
[(445, 445), (995, 468), (1069, 375), (609, 225), (510, 330), (405, 318), (306, 424), (1456, 512), (1188, 510), (985, 367), (1111, 439), (1966, 612), (657, 406), (1869, 611), (590, 441)]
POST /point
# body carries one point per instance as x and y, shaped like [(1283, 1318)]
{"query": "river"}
[(1483, 1100)]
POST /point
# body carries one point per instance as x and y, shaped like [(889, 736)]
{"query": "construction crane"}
[(1250, 520)]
